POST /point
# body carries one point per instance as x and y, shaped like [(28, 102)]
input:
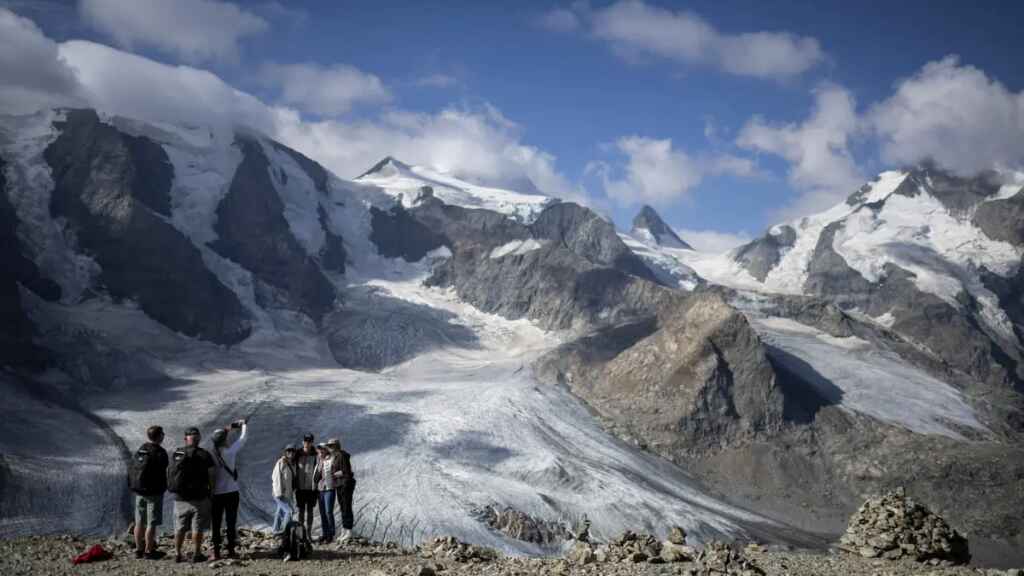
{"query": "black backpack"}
[(187, 474), (146, 475), (297, 543)]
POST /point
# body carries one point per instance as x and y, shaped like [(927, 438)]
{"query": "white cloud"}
[(193, 30), (325, 91), (130, 85), (656, 173), (636, 27), (955, 115), (478, 143), (712, 241), (33, 73), (817, 149)]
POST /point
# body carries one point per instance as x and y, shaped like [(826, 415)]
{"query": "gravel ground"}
[(53, 554)]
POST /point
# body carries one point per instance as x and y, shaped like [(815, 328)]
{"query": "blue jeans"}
[(282, 516), (327, 514)]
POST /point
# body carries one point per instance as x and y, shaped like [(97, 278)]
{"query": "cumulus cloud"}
[(712, 241), (137, 87), (955, 115), (633, 26), (194, 30), (657, 173), (822, 167), (324, 90), (33, 73), (474, 142)]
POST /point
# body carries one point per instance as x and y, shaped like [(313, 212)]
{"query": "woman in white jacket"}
[(284, 489)]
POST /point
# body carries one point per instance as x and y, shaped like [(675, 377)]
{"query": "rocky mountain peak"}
[(385, 167), (648, 225)]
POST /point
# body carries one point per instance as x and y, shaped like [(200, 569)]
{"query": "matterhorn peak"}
[(648, 226)]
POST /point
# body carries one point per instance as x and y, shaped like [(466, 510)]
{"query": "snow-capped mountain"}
[(410, 184), (932, 256), (180, 275), (475, 345)]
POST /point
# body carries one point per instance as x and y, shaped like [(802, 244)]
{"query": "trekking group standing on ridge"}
[(206, 491)]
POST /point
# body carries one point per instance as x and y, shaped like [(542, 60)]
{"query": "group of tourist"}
[(206, 490)]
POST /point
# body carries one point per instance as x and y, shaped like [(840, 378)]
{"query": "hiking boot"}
[(139, 554), (178, 559), (154, 555), (288, 557), (232, 554), (199, 558), (346, 533)]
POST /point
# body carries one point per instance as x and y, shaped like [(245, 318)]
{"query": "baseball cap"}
[(308, 437), (289, 447), (193, 431)]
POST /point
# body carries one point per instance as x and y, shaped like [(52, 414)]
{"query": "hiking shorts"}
[(149, 510), (192, 515)]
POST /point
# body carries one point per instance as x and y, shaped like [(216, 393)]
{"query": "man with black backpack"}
[(148, 478), (191, 476), (225, 488)]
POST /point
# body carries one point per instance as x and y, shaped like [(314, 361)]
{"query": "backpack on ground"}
[(297, 544), (187, 474), (146, 473)]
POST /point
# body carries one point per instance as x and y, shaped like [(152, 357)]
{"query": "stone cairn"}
[(893, 526)]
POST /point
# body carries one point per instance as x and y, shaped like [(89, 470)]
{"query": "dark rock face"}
[(956, 193), (397, 234), (762, 255), (589, 236), (648, 219), (316, 172), (333, 255), (252, 231), (105, 182), (16, 330), (1002, 219)]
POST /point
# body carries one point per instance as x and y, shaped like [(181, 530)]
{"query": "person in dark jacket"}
[(192, 507), (149, 485), (346, 485), (305, 484)]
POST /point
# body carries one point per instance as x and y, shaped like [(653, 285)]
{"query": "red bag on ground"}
[(94, 554)]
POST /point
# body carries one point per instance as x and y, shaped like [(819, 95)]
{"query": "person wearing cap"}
[(345, 482), (193, 470), (284, 489), (305, 486), (323, 476), (225, 486)]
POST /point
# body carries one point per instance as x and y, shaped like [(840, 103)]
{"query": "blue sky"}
[(597, 88)]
